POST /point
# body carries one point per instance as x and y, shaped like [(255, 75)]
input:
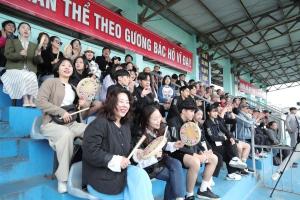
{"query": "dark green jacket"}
[(16, 61)]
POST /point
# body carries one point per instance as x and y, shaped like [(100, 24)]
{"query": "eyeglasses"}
[(58, 42)]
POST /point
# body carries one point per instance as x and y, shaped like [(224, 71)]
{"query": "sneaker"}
[(275, 176), (189, 198), (233, 177), (263, 154), (250, 171), (237, 163), (243, 172), (208, 194), (62, 186)]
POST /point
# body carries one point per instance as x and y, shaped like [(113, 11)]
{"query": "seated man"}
[(189, 158), (221, 143), (225, 117)]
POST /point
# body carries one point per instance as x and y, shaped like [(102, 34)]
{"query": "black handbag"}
[(70, 109)]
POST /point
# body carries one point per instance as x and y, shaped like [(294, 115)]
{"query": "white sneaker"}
[(237, 163), (61, 186), (233, 177), (275, 176)]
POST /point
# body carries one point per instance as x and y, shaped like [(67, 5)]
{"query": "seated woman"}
[(19, 80), (204, 148), (106, 145), (54, 93), (272, 133), (222, 143), (161, 166), (81, 71), (274, 138)]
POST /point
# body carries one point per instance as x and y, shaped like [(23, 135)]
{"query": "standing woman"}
[(7, 32), (43, 40), (161, 166), (73, 50), (51, 56), (53, 94), (106, 145), (20, 80)]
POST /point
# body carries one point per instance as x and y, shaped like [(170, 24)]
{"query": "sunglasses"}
[(58, 42)]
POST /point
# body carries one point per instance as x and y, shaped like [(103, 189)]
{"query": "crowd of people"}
[(129, 104)]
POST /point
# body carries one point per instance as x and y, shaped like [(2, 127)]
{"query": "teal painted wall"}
[(158, 24)]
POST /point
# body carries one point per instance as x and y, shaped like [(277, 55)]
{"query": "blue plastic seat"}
[(75, 183), (35, 129)]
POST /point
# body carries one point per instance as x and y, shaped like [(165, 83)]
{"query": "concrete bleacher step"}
[(290, 179), (34, 188), (41, 187), (5, 100), (8, 148), (27, 158), (18, 121), (229, 190)]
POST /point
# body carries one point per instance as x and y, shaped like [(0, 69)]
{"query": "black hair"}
[(187, 104), (128, 55), (121, 72), (192, 86), (56, 66), (182, 88), (85, 62), (164, 80), (211, 107), (51, 39), (24, 23), (143, 76), (145, 116), (243, 98), (235, 99), (40, 36), (105, 48), (271, 123), (74, 40), (8, 22), (108, 109), (293, 108), (191, 81), (174, 76)]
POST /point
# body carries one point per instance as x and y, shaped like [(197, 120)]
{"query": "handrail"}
[(207, 101), (268, 107)]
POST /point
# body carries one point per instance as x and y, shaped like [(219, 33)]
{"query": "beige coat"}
[(50, 96)]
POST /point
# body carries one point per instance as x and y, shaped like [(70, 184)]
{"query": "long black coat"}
[(102, 140)]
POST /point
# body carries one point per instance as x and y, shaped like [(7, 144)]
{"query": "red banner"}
[(96, 21), (248, 88)]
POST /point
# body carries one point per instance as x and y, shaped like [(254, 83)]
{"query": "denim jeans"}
[(173, 175)]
